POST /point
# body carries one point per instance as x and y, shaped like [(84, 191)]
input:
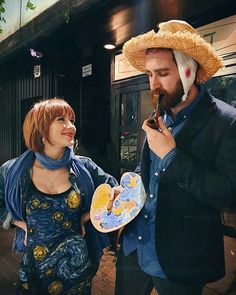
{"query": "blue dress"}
[(56, 259)]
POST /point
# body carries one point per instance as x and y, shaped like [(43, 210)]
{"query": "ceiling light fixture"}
[(109, 46)]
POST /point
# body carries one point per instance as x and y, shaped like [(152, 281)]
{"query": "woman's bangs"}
[(61, 109)]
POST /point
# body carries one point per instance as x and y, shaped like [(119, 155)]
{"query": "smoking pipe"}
[(153, 120)]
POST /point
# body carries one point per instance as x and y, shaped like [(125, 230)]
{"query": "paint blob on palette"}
[(126, 206)]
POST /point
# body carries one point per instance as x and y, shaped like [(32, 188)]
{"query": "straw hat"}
[(179, 35)]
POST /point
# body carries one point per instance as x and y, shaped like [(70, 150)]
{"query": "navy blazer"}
[(195, 187)]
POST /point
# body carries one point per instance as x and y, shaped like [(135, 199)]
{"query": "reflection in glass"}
[(223, 88), (129, 108), (128, 148)]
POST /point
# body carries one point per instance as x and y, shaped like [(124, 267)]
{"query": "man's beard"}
[(167, 100)]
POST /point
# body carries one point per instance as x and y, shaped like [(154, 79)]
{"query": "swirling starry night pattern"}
[(56, 259)]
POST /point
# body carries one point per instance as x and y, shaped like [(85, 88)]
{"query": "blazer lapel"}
[(198, 118)]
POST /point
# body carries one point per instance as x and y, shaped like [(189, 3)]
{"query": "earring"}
[(43, 140)]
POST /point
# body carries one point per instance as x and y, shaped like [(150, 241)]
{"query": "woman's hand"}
[(115, 191), (84, 218), (22, 225)]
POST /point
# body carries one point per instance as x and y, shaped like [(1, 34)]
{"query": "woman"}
[(46, 194)]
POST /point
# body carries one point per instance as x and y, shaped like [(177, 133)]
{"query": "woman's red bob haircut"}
[(39, 118)]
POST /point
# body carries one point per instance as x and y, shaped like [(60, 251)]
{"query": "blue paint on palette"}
[(126, 206)]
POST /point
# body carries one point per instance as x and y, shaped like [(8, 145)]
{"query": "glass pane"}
[(223, 88), (128, 148), (146, 105), (146, 110), (129, 108)]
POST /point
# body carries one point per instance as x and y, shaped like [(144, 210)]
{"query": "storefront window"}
[(223, 88), (129, 109), (128, 150)]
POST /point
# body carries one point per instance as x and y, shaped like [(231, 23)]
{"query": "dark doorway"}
[(26, 105), (132, 107)]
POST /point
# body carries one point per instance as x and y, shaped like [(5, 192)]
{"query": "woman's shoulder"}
[(83, 158), (5, 166), (86, 161), (90, 165)]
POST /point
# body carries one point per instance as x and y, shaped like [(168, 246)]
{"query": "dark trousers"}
[(131, 280)]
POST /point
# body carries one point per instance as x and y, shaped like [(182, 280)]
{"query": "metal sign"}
[(87, 70)]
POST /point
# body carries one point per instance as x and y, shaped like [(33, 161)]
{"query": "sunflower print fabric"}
[(56, 257)]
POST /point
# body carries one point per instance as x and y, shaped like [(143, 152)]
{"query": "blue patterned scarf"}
[(13, 196)]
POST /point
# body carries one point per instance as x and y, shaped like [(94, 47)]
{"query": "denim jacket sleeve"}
[(5, 216), (97, 173), (96, 241)]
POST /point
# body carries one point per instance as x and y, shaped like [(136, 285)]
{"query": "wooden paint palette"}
[(126, 206)]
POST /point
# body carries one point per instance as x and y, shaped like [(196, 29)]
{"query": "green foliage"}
[(2, 10), (67, 11), (29, 5), (226, 81)]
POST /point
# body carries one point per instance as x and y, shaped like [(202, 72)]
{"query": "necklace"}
[(51, 181)]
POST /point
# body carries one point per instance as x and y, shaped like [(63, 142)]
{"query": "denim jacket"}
[(96, 241)]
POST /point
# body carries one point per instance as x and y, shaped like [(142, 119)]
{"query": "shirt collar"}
[(184, 113)]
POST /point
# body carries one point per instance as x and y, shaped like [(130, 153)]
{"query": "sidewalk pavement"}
[(104, 281)]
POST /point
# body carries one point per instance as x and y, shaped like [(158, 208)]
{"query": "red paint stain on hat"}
[(188, 72)]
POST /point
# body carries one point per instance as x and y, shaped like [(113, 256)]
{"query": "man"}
[(188, 168)]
